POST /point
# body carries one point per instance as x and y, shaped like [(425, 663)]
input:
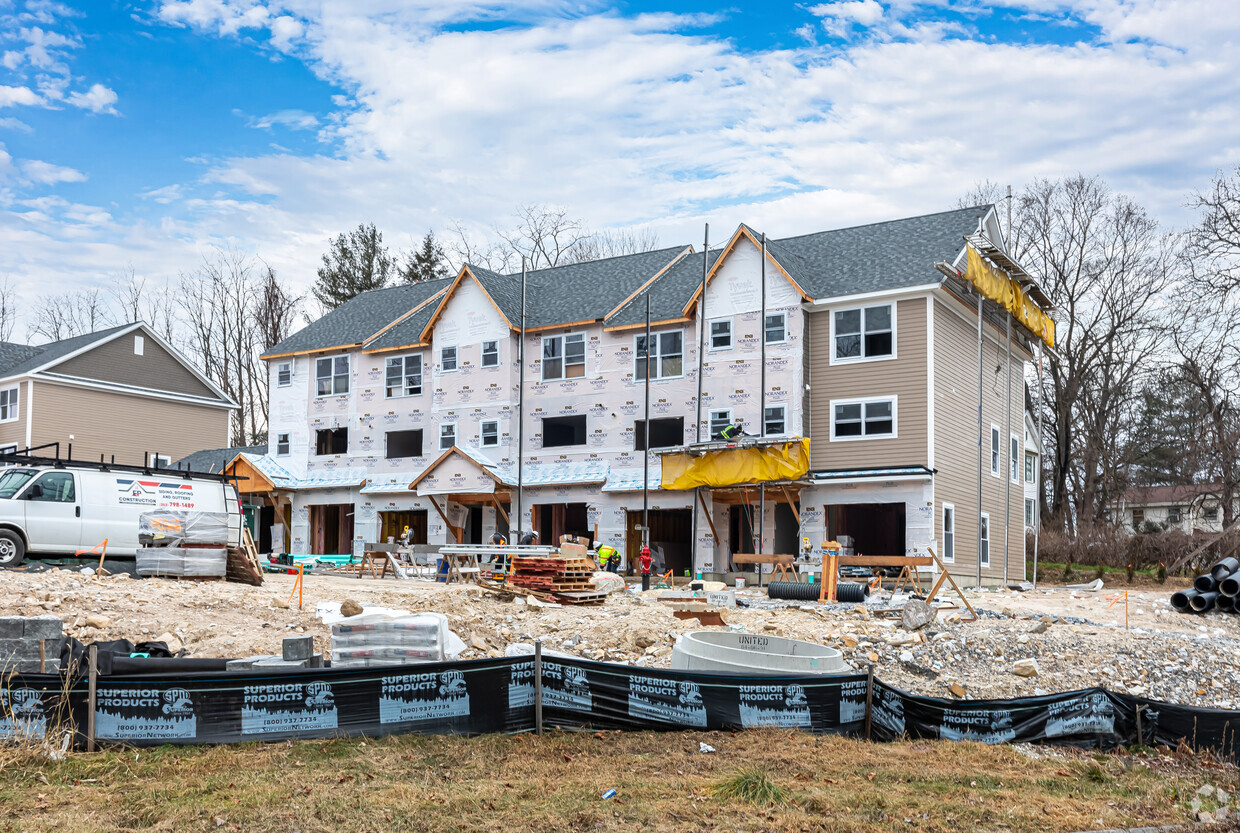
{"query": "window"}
[(863, 333), (949, 533), (718, 421), (447, 359), (1173, 514), (139, 344), (8, 405), (985, 540), (8, 449), (561, 431), (490, 354), (331, 441), (854, 420), (398, 444), (447, 436), (56, 486), (1030, 466), (564, 357), (1138, 518), (1014, 459), (490, 433), (774, 423), (1031, 508), (284, 374), (994, 450), (1210, 514), (403, 376), (776, 328), (159, 461), (721, 334), (667, 355), (282, 445), (331, 376), (664, 433)]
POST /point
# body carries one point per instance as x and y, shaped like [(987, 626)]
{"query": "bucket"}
[(740, 583)]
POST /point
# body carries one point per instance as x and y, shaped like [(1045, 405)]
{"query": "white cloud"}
[(841, 15), (163, 196), (18, 95), (292, 119), (45, 173), (98, 99)]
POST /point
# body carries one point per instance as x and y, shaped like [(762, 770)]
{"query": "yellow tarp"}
[(737, 466), (997, 286)]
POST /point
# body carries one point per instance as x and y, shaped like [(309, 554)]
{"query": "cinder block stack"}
[(19, 644)]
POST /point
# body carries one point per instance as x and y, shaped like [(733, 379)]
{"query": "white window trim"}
[(156, 457), (288, 440), (1014, 464), (710, 418), (482, 353), (8, 449), (1031, 467), (895, 418), (482, 437), (139, 345), (456, 351), (986, 517), (948, 559), (403, 375), (782, 314), (656, 336), (280, 365), (784, 419), (15, 405), (348, 376), (442, 426), (1030, 517), (710, 339), (834, 360), (996, 461), (585, 355)]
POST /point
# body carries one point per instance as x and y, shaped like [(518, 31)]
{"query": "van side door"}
[(53, 513)]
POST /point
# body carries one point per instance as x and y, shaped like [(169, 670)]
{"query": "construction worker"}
[(732, 432), (529, 539), (501, 559), (645, 560), (609, 559)]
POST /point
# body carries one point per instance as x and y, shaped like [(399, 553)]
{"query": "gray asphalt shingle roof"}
[(213, 460), (359, 318), (23, 358), (668, 295), (405, 333)]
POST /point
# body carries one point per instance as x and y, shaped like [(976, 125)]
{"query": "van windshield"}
[(12, 481)]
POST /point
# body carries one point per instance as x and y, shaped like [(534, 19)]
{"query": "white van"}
[(61, 509)]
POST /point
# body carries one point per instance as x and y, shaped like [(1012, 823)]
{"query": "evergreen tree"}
[(428, 263), (356, 262)]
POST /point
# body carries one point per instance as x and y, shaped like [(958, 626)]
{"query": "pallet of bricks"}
[(565, 578), (183, 544)]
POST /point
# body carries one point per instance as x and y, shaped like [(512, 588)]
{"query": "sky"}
[(138, 135)]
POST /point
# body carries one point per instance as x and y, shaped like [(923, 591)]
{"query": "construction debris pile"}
[(1218, 588), (183, 544)]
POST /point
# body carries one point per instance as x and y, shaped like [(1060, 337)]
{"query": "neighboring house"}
[(399, 408), (1194, 508), (122, 394), (1032, 472)]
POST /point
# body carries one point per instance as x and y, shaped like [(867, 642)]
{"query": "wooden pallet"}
[(553, 565), (579, 598), (244, 565)]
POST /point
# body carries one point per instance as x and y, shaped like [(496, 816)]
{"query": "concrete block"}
[(43, 627), (297, 648), (31, 666), (278, 662), (12, 627), (246, 663), (18, 649)]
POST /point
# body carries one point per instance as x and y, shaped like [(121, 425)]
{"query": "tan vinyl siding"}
[(118, 424), (14, 432), (955, 441), (114, 361), (903, 377)]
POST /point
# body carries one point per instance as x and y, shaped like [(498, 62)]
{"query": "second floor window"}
[(664, 433), (447, 436), (874, 418), (284, 374), (1013, 459), (565, 430), (447, 359), (666, 355), (490, 354), (776, 328), (718, 421), (1030, 466), (774, 422), (721, 334), (282, 445), (995, 466), (490, 433), (564, 357), (399, 444), (331, 441), (8, 404), (403, 376), (863, 333), (331, 376)]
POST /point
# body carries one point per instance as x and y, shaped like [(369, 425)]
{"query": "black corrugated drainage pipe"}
[(1224, 568), (1182, 599), (1203, 601), (845, 591)]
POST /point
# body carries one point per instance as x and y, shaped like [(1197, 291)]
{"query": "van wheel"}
[(12, 550)]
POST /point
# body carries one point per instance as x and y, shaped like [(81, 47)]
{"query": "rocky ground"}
[(1075, 639)]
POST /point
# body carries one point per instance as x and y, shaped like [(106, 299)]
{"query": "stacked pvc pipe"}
[(1216, 589)]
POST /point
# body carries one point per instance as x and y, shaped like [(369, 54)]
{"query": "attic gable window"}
[(139, 344), (331, 376)]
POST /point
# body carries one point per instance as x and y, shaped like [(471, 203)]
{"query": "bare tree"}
[(1104, 263), (57, 317), (1214, 243), (545, 237), (8, 308), (273, 314), (136, 299), (614, 244)]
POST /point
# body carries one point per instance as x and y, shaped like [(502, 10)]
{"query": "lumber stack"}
[(566, 580)]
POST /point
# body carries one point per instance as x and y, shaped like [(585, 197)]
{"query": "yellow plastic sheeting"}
[(737, 466), (998, 287)]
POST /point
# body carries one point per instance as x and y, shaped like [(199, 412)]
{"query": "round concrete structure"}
[(725, 652)]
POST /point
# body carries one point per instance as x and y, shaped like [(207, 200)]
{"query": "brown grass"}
[(518, 783)]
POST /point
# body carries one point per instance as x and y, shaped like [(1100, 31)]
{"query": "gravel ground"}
[(1077, 638)]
